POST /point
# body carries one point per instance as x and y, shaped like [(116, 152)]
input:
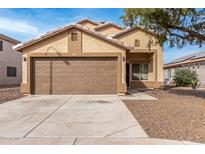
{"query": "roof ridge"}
[(87, 19), (130, 29), (186, 57), (101, 34)]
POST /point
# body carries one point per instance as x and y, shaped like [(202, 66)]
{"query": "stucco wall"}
[(160, 65), (155, 69), (109, 30), (166, 73), (10, 57), (24, 70), (94, 44), (60, 45), (140, 35), (57, 44), (133, 58), (157, 57)]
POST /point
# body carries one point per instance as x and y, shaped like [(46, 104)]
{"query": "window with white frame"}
[(139, 71)]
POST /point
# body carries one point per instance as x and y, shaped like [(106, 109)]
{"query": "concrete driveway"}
[(66, 119)]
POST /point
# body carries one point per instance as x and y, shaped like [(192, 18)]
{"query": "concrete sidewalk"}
[(90, 141), (134, 94)]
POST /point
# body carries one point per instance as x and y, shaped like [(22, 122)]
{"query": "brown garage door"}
[(74, 75)]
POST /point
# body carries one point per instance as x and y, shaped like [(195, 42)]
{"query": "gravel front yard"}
[(10, 93), (177, 114)]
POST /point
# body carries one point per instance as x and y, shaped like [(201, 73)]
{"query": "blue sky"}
[(24, 24)]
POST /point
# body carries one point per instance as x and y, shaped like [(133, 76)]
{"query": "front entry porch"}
[(137, 94), (142, 70)]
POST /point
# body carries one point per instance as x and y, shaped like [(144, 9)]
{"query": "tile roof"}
[(130, 29), (89, 20), (61, 29), (107, 24), (111, 38), (188, 57)]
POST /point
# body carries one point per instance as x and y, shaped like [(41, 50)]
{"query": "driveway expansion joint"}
[(120, 130), (48, 116), (75, 141)]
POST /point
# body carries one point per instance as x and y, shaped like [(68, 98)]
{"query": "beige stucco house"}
[(194, 62), (91, 57), (10, 62)]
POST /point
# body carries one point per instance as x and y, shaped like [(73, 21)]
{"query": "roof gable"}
[(21, 46), (88, 21)]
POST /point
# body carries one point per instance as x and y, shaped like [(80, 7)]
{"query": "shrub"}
[(184, 77), (194, 83)]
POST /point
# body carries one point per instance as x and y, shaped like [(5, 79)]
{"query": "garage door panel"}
[(84, 89), (101, 89), (74, 75), (42, 80), (90, 80), (80, 70), (58, 70), (69, 70), (100, 70), (109, 70)]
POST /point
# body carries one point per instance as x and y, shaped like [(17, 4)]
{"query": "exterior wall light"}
[(24, 58), (123, 58)]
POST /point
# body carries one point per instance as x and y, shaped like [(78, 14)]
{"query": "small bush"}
[(184, 77)]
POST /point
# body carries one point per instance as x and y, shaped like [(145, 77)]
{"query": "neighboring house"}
[(194, 61), (91, 58), (10, 62)]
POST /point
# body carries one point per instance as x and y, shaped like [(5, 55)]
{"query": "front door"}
[(128, 74)]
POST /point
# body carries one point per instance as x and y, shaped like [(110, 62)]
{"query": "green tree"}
[(176, 26)]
